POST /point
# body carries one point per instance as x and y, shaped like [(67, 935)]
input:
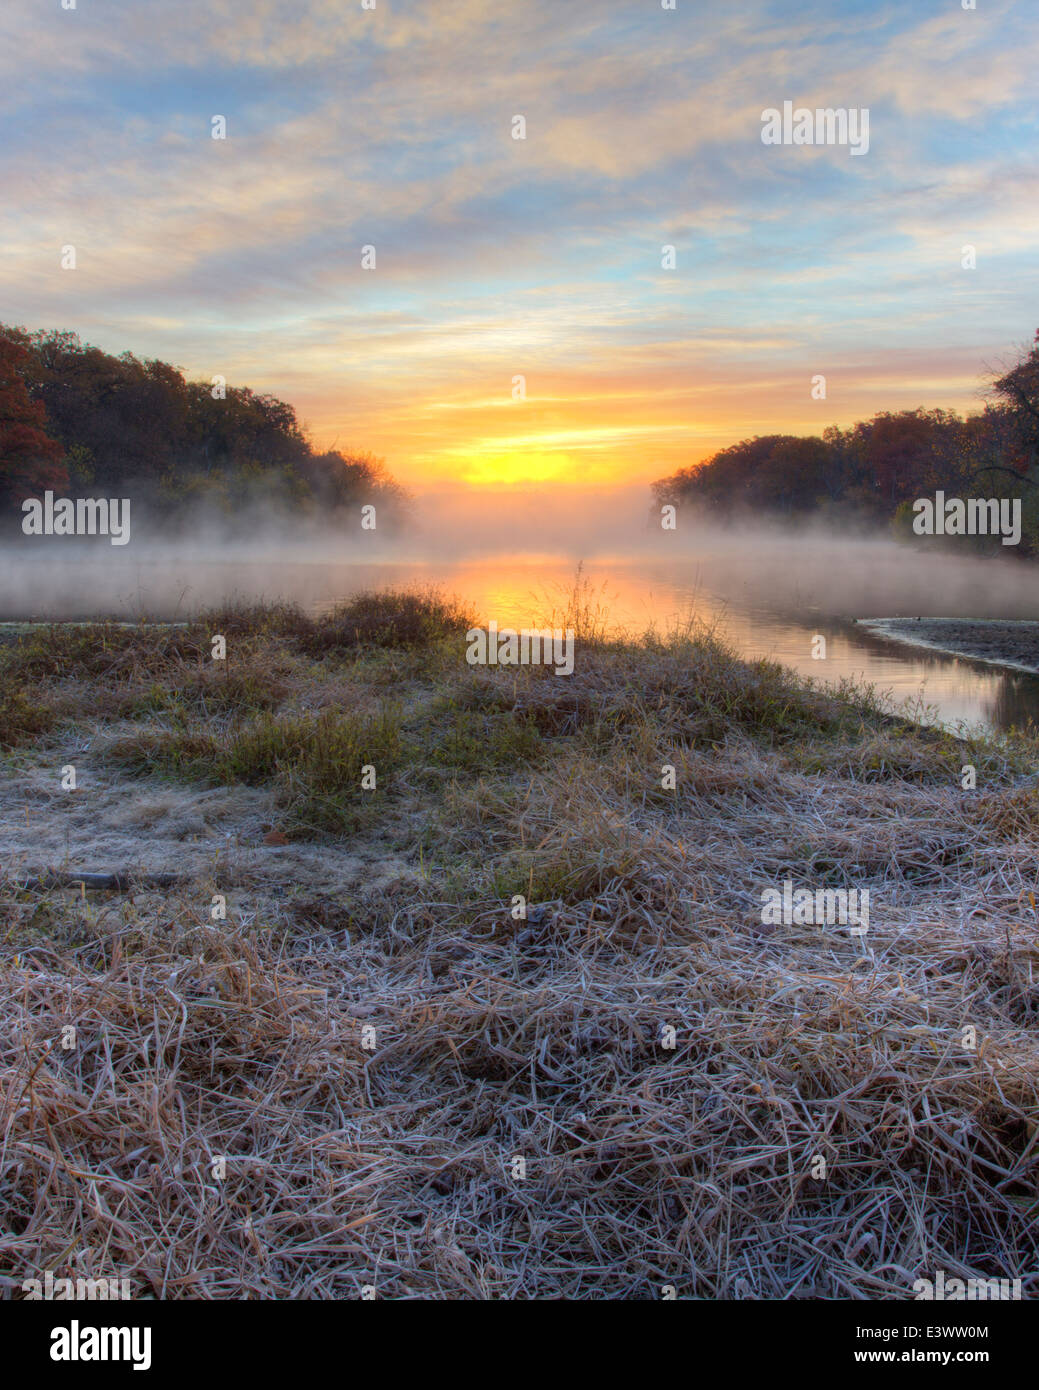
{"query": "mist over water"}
[(840, 573), (769, 590)]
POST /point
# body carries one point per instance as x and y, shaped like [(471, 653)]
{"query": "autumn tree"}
[(1016, 393), (126, 426), (30, 460)]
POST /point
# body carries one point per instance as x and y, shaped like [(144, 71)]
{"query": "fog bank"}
[(509, 538)]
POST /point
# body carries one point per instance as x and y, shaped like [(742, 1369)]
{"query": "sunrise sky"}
[(498, 257)]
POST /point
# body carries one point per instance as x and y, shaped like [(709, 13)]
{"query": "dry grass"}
[(544, 1039)]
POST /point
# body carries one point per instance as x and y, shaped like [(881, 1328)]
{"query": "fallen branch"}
[(118, 882)]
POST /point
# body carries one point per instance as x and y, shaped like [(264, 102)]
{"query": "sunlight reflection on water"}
[(767, 602), (637, 596)]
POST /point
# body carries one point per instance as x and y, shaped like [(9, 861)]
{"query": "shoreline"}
[(1012, 644)]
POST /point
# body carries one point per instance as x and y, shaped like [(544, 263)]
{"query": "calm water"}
[(941, 689), (766, 602)]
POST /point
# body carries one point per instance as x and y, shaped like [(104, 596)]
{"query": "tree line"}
[(871, 473), (82, 422)]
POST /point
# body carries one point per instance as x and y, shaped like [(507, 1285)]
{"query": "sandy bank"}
[(1012, 644)]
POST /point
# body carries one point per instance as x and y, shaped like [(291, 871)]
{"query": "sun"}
[(517, 468)]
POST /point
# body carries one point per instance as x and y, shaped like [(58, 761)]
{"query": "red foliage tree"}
[(30, 461)]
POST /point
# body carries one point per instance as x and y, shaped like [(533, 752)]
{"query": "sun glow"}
[(515, 469)]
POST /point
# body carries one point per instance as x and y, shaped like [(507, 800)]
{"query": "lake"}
[(769, 597)]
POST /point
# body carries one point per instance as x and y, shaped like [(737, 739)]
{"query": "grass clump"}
[(477, 741), (248, 619), (314, 762), (91, 651), (389, 618), (219, 689), (22, 715)]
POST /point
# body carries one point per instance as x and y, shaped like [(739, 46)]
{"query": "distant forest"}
[(83, 423), (871, 473)]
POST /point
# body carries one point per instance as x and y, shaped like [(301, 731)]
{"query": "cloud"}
[(392, 127)]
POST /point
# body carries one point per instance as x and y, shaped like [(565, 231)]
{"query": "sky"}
[(541, 258)]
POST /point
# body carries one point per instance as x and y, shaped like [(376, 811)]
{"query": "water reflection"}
[(766, 604), (950, 690)]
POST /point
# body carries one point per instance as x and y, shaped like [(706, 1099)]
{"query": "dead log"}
[(117, 882)]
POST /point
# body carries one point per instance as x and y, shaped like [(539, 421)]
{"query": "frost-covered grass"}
[(388, 1157)]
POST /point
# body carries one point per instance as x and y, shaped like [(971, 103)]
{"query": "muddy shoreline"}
[(1012, 644)]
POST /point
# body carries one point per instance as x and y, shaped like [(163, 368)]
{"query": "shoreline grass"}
[(353, 1159)]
